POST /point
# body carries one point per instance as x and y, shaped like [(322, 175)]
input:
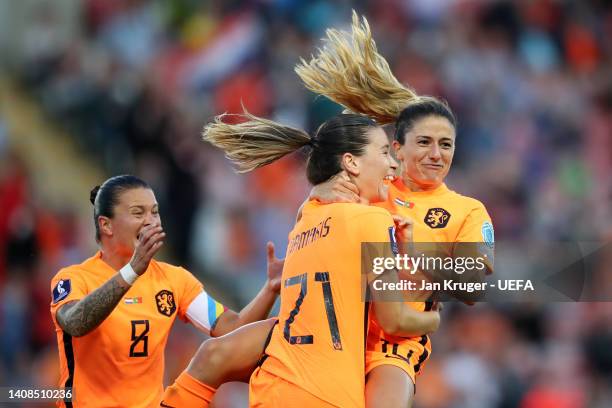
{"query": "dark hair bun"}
[(93, 194)]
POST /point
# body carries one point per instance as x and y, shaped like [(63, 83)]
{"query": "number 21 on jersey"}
[(328, 300)]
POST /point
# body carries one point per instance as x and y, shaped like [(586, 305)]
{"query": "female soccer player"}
[(350, 71), (113, 312), (315, 354)]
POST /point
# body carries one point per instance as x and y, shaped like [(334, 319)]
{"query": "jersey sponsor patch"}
[(437, 218), (165, 302), (61, 290), (488, 235)]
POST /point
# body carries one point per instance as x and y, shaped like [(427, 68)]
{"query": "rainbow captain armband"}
[(215, 309), (204, 311)]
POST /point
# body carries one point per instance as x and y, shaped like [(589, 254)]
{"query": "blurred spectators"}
[(35, 241), (530, 81)]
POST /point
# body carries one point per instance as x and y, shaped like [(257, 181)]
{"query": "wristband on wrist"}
[(128, 274)]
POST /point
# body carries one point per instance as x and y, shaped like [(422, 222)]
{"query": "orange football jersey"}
[(319, 343), (442, 216), (121, 362)]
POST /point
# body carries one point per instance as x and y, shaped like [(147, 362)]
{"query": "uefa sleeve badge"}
[(488, 236), (61, 290)]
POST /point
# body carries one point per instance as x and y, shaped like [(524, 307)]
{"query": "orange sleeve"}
[(376, 226), (66, 286), (190, 288), (478, 227)]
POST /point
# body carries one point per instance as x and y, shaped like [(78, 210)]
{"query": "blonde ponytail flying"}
[(255, 142), (350, 71)]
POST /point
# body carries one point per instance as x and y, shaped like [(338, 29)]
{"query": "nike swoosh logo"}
[(163, 404)]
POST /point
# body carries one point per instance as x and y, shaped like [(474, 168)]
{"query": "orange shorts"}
[(409, 355), (268, 390)]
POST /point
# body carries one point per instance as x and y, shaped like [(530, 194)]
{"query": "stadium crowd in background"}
[(530, 83)]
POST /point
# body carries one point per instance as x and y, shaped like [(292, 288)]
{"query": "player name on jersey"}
[(304, 238)]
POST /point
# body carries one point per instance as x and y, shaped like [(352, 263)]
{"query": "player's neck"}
[(416, 187), (114, 258)]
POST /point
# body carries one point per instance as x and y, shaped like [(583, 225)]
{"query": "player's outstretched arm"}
[(412, 323), (394, 316), (82, 316), (260, 306)]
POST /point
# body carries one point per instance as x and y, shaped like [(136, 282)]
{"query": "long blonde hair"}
[(258, 142), (255, 142), (349, 70)]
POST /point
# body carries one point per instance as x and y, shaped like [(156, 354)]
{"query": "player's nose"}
[(392, 163), (434, 153), (150, 219)]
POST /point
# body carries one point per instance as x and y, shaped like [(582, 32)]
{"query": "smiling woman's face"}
[(374, 166), (137, 207), (427, 152)]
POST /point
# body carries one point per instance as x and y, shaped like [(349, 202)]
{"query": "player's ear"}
[(350, 164), (106, 227), (397, 148)]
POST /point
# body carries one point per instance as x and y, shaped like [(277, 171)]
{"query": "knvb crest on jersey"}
[(165, 302), (437, 217)]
